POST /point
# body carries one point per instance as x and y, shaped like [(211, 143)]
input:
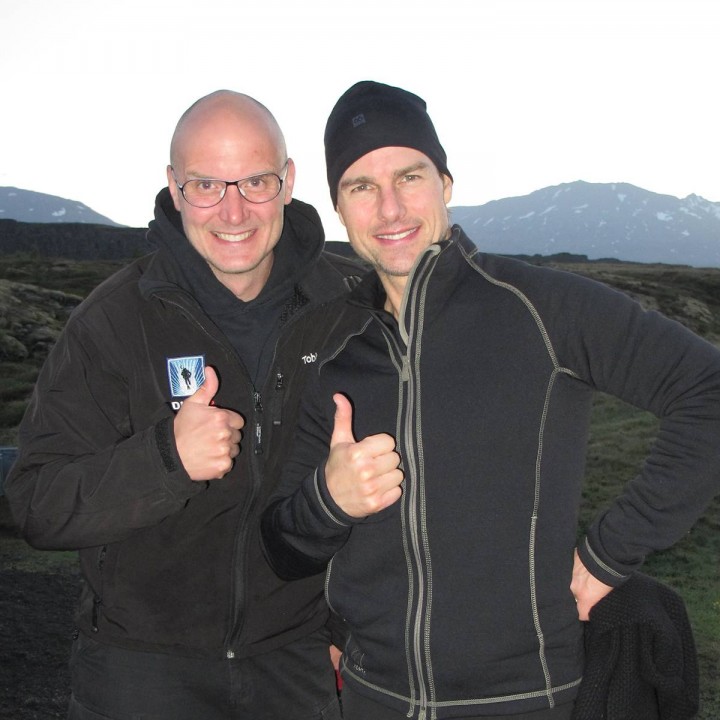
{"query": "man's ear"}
[(340, 215), (172, 186), (289, 183), (447, 188)]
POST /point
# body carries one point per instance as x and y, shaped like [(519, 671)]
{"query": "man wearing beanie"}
[(437, 470)]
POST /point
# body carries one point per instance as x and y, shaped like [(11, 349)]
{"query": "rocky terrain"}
[(31, 318)]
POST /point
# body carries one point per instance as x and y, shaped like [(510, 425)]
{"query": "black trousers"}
[(110, 683), (358, 707)]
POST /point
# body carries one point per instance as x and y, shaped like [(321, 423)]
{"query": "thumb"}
[(207, 391), (342, 429)]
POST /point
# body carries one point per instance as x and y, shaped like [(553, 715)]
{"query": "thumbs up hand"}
[(207, 437), (362, 477)]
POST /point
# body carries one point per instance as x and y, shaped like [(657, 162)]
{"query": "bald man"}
[(156, 429)]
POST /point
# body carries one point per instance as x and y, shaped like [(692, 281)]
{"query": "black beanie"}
[(371, 115)]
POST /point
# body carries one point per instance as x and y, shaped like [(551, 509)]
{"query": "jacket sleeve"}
[(658, 365), (302, 527), (84, 475)]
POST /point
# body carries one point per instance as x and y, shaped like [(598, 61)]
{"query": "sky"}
[(524, 94)]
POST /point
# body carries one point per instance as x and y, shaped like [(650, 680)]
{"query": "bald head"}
[(233, 111)]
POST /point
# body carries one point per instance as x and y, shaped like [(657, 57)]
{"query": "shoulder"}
[(345, 265), (331, 276), (542, 284), (118, 294)]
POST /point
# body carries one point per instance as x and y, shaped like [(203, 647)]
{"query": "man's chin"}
[(238, 266), (394, 272)]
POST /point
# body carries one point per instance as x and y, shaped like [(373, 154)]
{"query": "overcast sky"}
[(524, 93)]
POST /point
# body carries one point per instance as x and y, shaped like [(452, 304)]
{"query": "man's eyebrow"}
[(361, 179), (420, 165), (199, 175)]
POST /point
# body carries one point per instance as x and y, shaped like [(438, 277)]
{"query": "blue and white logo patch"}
[(186, 374)]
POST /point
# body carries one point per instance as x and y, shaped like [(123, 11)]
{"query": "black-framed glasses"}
[(207, 192)]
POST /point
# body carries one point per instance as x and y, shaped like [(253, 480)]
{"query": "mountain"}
[(597, 220), (577, 220), (35, 207)]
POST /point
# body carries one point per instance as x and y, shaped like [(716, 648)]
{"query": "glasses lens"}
[(203, 193), (260, 188)]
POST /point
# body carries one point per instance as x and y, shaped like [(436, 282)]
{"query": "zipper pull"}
[(279, 387), (258, 423)]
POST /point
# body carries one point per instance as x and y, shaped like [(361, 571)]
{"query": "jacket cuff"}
[(599, 567), (331, 510)]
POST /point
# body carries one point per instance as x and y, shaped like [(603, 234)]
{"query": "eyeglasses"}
[(207, 192)]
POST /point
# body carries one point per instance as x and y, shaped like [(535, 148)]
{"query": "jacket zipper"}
[(97, 599), (241, 547), (417, 287), (418, 629), (257, 450)]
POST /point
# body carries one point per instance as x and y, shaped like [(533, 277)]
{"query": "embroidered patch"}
[(186, 374), (358, 120)]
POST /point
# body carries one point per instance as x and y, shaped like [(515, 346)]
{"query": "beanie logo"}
[(358, 120)]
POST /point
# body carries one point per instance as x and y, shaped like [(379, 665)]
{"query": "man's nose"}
[(233, 207), (391, 205)]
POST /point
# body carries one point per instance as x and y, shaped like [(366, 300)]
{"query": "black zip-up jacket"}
[(457, 596), (171, 565)]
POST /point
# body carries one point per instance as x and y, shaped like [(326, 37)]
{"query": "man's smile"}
[(234, 237), (399, 235)]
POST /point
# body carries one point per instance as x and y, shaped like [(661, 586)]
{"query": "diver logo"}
[(186, 375)]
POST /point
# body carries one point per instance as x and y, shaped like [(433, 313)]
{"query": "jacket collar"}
[(370, 293)]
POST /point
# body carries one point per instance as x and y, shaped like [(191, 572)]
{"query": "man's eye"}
[(206, 185), (360, 188), (411, 178), (255, 183)]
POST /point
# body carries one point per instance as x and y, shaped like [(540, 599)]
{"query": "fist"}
[(362, 477), (207, 437)]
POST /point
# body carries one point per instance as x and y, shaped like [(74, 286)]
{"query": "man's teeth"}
[(396, 236), (234, 237)]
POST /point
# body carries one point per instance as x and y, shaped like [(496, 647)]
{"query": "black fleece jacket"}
[(172, 565), (457, 596)]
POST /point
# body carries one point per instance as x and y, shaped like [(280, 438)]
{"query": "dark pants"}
[(358, 707), (110, 683)]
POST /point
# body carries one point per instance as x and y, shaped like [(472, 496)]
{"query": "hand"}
[(335, 655), (362, 477), (207, 437), (586, 588)]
